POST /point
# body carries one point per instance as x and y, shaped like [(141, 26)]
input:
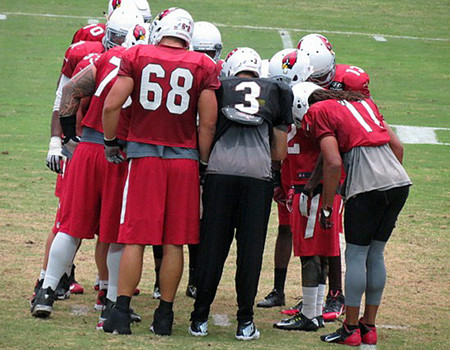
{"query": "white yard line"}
[(418, 134), (305, 30)]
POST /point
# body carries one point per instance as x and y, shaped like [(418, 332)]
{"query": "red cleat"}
[(76, 288), (368, 334)]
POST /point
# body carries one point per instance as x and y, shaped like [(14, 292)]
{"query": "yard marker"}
[(2, 16), (418, 135), (379, 38), (286, 39)]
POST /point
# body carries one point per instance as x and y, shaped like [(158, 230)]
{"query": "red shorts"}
[(92, 196), (322, 242), (284, 216), (60, 177), (161, 202)]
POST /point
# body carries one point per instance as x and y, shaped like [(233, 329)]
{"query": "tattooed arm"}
[(81, 85)]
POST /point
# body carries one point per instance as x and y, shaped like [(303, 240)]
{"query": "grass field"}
[(409, 80)]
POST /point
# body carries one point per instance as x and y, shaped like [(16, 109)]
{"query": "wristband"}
[(68, 125)]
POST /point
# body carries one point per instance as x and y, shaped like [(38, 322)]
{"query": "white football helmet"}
[(137, 35), (142, 6), (290, 66), (321, 56), (173, 22), (300, 105), (242, 59), (207, 37), (122, 19)]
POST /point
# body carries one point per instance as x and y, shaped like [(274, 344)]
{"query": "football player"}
[(92, 182), (312, 244), (351, 131), (168, 85), (291, 67), (251, 134), (329, 75)]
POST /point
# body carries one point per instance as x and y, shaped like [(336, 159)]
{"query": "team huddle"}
[(157, 141)]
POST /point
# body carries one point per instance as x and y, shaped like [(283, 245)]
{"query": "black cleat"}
[(162, 323), (62, 290), (42, 305), (298, 323), (247, 331), (274, 298), (191, 291), (334, 306), (198, 328), (118, 322), (343, 336)]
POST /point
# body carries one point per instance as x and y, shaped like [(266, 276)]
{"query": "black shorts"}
[(372, 215)]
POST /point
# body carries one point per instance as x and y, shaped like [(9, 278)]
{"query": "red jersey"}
[(91, 32), (350, 78), (107, 68), (303, 152), (354, 124), (167, 84), (76, 52), (86, 61)]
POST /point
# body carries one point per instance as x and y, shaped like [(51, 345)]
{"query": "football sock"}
[(355, 275), (60, 258), (113, 261), (123, 303), (320, 296), (309, 301), (103, 284), (165, 306), (376, 273), (42, 275), (280, 279)]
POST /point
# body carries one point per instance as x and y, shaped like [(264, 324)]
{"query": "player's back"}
[(91, 32), (107, 68), (354, 124), (168, 82), (76, 52)]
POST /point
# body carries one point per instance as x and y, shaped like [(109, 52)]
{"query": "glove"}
[(325, 218), (54, 154), (202, 171), (290, 200), (69, 145), (112, 151), (279, 196)]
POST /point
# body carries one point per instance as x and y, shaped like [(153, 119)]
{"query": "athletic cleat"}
[(198, 328), (298, 323), (191, 291), (247, 331), (101, 300), (294, 310), (107, 311), (137, 291), (62, 290), (334, 306), (37, 286), (156, 293), (320, 321), (368, 334), (75, 287), (43, 303), (274, 298), (162, 323), (118, 323), (343, 336)]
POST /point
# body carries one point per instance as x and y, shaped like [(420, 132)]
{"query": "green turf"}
[(409, 81)]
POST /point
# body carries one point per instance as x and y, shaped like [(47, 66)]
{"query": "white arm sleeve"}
[(63, 81)]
